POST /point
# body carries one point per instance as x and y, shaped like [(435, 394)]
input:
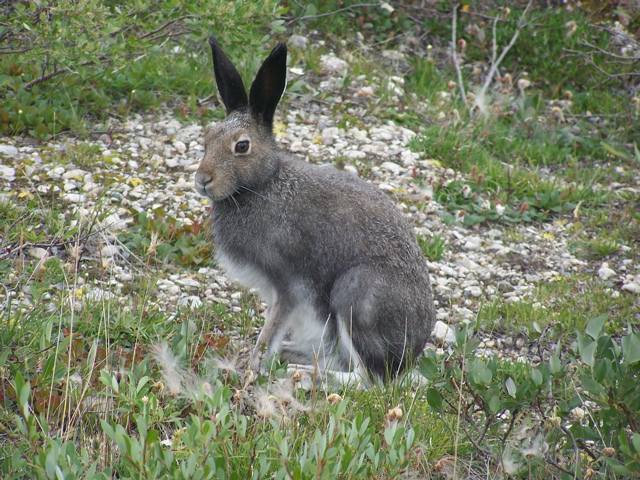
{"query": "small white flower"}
[(536, 448), (523, 83)]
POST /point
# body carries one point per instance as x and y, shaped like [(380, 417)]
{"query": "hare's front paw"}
[(255, 362)]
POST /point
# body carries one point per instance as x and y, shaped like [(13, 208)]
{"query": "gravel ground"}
[(149, 162)]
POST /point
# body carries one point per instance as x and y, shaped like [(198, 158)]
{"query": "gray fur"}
[(331, 255)]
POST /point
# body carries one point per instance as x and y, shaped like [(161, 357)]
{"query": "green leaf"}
[(391, 433), (591, 386), (617, 467), (631, 348), (434, 399), (594, 327), (427, 368), (587, 353), (108, 429), (536, 376), (614, 152), (109, 380), (410, 438), (511, 387), (636, 442), (554, 364), (152, 436), (473, 218), (494, 404)]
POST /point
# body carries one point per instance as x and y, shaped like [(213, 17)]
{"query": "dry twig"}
[(340, 10), (162, 27), (495, 62), (454, 55)]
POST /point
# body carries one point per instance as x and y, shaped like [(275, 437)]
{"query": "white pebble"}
[(74, 197), (56, 172), (631, 287), (473, 291), (37, 252), (188, 282), (473, 243), (75, 174), (391, 167), (192, 301), (109, 251), (332, 64), (468, 263), (356, 154), (8, 150), (7, 173), (448, 271), (351, 169), (442, 331), (179, 146), (605, 272)]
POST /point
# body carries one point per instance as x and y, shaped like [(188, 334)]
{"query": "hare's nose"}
[(201, 181)]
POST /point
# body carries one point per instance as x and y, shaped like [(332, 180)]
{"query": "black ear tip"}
[(213, 42), (279, 49)]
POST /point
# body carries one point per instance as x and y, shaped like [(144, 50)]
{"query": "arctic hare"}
[(334, 259)]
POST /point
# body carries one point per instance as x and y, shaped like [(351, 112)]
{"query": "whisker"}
[(253, 191)]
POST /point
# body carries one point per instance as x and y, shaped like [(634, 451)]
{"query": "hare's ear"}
[(268, 85), (230, 85)]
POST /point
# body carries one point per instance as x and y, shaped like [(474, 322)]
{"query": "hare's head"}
[(241, 151)]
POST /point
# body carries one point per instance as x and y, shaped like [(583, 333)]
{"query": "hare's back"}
[(330, 202)]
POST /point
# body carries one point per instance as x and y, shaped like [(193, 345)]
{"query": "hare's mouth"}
[(201, 189), (210, 190), (205, 186)]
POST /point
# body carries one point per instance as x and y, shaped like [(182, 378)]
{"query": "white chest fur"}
[(249, 277)]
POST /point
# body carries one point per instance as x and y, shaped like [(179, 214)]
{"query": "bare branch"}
[(614, 75), (17, 221), (44, 78), (148, 34), (8, 52), (56, 242), (613, 33), (612, 55), (170, 34), (479, 102), (340, 10), (454, 55)]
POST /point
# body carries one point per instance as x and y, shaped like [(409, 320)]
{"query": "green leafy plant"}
[(64, 60), (609, 372), (160, 236), (469, 206), (432, 247), (529, 419)]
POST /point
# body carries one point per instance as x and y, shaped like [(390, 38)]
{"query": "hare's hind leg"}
[(375, 318)]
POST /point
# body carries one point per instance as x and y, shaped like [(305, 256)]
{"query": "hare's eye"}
[(242, 146)]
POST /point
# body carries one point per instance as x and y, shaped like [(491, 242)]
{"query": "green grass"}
[(67, 62), (432, 247), (566, 301), (80, 388)]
